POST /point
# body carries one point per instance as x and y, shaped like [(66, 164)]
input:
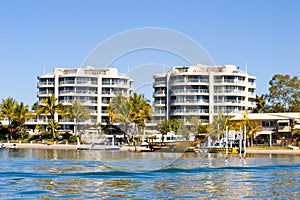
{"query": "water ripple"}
[(29, 175)]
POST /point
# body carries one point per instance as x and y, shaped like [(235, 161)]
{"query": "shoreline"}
[(75, 146)]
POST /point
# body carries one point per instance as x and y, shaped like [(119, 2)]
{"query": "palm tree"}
[(296, 134), (79, 113), (218, 126), (50, 106), (251, 127), (140, 110), (7, 109), (260, 102), (22, 114), (119, 110)]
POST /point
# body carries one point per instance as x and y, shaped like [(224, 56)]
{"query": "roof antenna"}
[(246, 68)]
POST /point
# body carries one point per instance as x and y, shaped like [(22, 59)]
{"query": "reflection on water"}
[(48, 174)]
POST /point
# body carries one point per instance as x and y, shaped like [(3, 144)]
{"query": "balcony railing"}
[(190, 101), (230, 102), (229, 81), (45, 83), (197, 81), (87, 82), (190, 111), (67, 92), (176, 91), (66, 82), (230, 91), (160, 83)]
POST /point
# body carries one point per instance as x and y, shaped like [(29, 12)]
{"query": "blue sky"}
[(40, 35)]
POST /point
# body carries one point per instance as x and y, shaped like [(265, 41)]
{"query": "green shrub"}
[(46, 135), (72, 139)]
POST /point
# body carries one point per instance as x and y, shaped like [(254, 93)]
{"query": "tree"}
[(218, 126), (169, 125), (22, 114), (140, 109), (50, 106), (284, 93), (197, 127), (260, 103), (35, 106), (296, 134), (7, 109), (79, 113), (119, 111)]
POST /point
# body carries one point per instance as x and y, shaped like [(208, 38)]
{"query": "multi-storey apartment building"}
[(202, 91), (93, 87)]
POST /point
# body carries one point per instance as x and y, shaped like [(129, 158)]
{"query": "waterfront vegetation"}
[(18, 113), (133, 110), (283, 96)]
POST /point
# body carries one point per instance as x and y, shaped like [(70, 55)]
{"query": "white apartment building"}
[(202, 91), (93, 87)]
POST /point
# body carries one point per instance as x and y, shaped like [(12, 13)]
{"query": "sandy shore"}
[(131, 148), (277, 151), (40, 146)]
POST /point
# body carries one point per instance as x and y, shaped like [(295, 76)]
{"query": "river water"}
[(70, 174)]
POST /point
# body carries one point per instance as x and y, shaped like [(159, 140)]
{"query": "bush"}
[(46, 135), (72, 139)]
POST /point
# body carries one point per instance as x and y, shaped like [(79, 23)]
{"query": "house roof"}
[(267, 116)]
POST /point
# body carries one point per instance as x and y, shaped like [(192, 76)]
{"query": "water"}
[(61, 174)]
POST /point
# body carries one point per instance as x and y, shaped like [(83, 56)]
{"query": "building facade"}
[(93, 87), (202, 91)]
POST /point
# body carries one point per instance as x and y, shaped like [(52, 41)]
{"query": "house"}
[(276, 127)]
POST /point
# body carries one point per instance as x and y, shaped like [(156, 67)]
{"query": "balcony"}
[(227, 91), (86, 92), (205, 91), (66, 120), (46, 84), (159, 93), (45, 93), (191, 101), (68, 102), (230, 102), (190, 111), (159, 102), (156, 83), (251, 85), (190, 91), (67, 82), (197, 81), (67, 92), (88, 102), (87, 83), (230, 81)]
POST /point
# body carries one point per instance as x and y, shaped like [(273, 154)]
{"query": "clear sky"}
[(36, 36)]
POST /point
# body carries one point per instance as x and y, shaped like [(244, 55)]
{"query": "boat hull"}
[(179, 146), (232, 150)]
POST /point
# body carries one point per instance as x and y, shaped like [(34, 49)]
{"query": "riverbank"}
[(40, 146), (271, 150), (250, 150)]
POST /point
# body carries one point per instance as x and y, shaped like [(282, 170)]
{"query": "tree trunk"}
[(53, 131), (21, 131), (9, 129)]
